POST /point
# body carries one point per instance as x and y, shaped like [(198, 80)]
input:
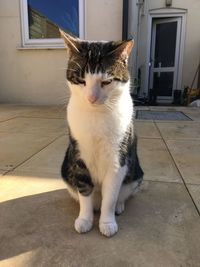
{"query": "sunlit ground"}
[(159, 226)]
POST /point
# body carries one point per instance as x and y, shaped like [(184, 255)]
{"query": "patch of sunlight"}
[(21, 260), (16, 185)]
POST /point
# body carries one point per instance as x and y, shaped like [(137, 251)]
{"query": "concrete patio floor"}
[(159, 228)]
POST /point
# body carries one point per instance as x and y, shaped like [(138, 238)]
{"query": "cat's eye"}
[(81, 81), (106, 82)]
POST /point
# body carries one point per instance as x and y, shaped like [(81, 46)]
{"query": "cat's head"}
[(97, 72)]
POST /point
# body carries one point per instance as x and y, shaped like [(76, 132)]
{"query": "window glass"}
[(165, 44), (163, 83), (45, 16)]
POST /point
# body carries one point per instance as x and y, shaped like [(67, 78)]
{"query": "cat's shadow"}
[(35, 221), (43, 223)]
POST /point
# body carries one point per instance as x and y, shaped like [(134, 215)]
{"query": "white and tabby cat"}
[(101, 166)]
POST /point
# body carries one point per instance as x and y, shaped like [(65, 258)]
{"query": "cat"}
[(101, 166)]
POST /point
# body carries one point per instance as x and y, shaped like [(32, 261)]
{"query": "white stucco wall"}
[(104, 19), (38, 76)]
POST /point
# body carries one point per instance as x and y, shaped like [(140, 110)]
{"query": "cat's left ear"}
[(72, 43), (123, 48)]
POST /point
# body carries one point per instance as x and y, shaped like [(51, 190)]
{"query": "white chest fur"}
[(99, 132)]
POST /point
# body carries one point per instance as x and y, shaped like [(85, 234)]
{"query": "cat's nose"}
[(92, 98)]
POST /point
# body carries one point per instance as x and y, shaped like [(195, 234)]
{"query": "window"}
[(41, 20)]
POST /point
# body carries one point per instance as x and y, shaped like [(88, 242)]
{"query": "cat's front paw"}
[(108, 228), (82, 225)]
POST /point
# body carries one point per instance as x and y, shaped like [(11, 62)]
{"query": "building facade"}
[(33, 58)]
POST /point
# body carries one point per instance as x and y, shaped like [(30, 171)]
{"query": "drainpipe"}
[(125, 20), (139, 4)]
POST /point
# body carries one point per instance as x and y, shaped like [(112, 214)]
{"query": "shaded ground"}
[(161, 224)]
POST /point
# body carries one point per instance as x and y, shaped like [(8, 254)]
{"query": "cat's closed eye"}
[(81, 81), (106, 82)]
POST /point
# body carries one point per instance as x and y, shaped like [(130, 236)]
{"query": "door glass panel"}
[(163, 83), (165, 44)]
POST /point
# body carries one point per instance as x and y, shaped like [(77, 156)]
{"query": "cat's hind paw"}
[(119, 208), (82, 225), (108, 228)]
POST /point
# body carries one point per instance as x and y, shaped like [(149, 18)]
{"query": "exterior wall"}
[(191, 54), (37, 76), (104, 19)]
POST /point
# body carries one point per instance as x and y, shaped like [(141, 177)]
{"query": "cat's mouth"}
[(94, 101), (95, 104), (98, 102)]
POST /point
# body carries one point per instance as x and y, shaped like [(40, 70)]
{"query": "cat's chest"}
[(97, 138), (99, 155), (94, 127), (96, 135)]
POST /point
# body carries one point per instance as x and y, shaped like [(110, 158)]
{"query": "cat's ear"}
[(71, 42), (123, 48)]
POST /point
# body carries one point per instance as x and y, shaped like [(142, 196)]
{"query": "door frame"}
[(174, 69), (165, 13)]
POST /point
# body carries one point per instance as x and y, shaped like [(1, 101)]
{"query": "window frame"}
[(46, 42)]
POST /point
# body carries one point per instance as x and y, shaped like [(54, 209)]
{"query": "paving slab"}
[(48, 161), (156, 161), (194, 115), (158, 228), (11, 111), (179, 130), (146, 129), (195, 193), (18, 147), (2, 172), (4, 116), (17, 185), (186, 154), (46, 112), (34, 125), (14, 107)]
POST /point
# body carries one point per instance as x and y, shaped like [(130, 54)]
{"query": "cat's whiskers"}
[(109, 105), (71, 69), (63, 99), (113, 101), (62, 68), (68, 69), (61, 107)]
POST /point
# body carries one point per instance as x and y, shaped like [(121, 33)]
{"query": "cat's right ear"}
[(72, 43)]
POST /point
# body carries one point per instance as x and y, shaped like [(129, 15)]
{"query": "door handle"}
[(151, 63)]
